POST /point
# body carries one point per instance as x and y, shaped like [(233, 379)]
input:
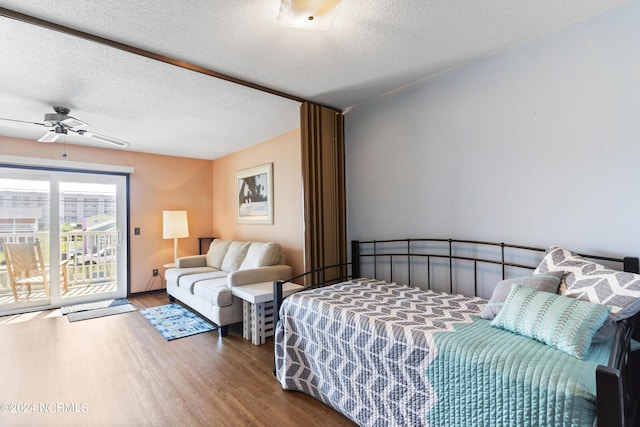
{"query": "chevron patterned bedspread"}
[(389, 355), (363, 347)]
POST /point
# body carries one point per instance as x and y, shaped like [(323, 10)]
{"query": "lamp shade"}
[(174, 224)]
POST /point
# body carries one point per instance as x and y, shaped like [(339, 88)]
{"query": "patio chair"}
[(25, 266)]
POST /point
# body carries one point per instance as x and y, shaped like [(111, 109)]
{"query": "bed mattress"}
[(385, 354)]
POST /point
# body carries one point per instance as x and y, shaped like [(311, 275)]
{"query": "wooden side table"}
[(204, 239), (257, 309)]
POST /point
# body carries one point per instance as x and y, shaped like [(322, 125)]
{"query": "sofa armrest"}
[(258, 275), (191, 261)]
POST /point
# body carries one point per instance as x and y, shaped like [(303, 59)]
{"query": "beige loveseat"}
[(204, 282)]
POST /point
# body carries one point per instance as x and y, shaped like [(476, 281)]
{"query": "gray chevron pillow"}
[(590, 281)]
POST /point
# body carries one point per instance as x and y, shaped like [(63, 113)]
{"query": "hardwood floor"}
[(119, 371)]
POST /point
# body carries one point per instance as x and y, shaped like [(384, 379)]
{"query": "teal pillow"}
[(548, 282), (565, 323)]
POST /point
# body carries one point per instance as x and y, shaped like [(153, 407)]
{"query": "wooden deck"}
[(37, 292)]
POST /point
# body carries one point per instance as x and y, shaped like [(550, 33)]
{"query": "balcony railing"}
[(90, 256)]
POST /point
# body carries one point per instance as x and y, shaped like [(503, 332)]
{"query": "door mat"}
[(100, 312), (174, 321), (93, 305)]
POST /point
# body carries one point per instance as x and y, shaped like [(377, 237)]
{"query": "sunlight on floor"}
[(25, 317)]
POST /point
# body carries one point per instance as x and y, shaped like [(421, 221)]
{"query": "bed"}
[(460, 333)]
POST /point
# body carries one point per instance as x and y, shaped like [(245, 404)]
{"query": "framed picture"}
[(254, 192)]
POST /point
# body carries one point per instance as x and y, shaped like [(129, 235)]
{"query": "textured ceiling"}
[(372, 48)]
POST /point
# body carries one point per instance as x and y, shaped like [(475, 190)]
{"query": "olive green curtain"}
[(323, 181)]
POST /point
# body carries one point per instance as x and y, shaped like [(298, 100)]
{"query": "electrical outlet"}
[(155, 271)]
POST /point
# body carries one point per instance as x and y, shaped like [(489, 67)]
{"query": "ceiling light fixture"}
[(310, 14)]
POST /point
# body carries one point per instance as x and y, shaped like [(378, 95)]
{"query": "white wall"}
[(537, 145)]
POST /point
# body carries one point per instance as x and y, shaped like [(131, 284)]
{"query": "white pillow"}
[(235, 255), (217, 251), (261, 255)]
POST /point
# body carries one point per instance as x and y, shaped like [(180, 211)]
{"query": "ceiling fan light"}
[(51, 119), (309, 14)]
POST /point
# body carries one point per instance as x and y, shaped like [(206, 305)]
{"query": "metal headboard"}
[(407, 253), (422, 250)]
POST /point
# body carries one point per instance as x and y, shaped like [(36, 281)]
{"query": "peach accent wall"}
[(285, 153), (158, 183)]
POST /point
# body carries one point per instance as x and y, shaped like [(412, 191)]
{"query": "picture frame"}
[(254, 195)]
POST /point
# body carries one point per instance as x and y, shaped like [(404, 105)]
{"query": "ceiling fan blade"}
[(51, 136), (72, 122), (103, 138), (22, 121)]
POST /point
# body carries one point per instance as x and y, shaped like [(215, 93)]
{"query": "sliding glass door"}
[(77, 221), (24, 219)]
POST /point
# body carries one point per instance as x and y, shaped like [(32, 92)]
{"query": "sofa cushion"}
[(217, 250), (214, 291), (261, 255), (173, 275), (235, 255), (188, 281)]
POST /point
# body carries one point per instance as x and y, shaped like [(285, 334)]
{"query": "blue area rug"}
[(174, 321)]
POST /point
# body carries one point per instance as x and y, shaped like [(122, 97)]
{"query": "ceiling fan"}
[(61, 123)]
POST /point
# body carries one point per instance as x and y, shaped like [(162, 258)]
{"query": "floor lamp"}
[(175, 226)]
